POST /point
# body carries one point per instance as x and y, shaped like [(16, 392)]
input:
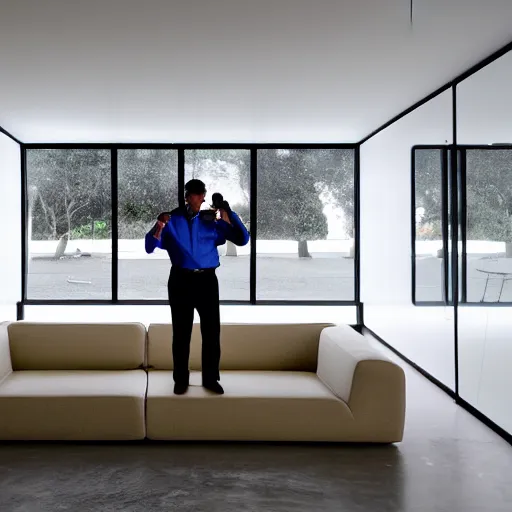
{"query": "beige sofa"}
[(298, 382), (72, 382), (282, 383)]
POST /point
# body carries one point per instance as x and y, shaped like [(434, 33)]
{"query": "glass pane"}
[(148, 185), (489, 225), (69, 224), (428, 219), (305, 224), (226, 171)]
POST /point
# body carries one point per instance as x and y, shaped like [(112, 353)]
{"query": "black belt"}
[(194, 270)]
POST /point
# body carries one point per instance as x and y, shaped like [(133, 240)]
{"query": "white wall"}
[(484, 116), (10, 227), (162, 314), (484, 109), (423, 334)]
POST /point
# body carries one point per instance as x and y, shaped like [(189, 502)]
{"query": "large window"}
[(305, 224), (69, 224), (303, 240), (226, 171), (147, 185)]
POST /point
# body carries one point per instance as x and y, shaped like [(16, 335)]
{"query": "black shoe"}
[(214, 386), (180, 389)]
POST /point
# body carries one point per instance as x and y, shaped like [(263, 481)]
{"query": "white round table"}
[(500, 268)]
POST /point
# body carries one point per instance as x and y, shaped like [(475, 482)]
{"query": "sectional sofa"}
[(283, 382)]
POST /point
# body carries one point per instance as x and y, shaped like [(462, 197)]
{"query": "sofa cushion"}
[(73, 405), (278, 347), (52, 346), (257, 405)]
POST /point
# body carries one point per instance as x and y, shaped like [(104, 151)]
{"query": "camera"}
[(218, 202), (207, 215)]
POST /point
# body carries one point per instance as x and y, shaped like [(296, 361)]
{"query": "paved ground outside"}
[(429, 278), (325, 276), (279, 277)]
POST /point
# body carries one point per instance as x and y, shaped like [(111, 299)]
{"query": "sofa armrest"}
[(372, 386), (5, 352)]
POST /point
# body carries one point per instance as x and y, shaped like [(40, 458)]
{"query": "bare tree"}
[(67, 188)]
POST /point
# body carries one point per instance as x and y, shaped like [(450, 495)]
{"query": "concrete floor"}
[(448, 461)]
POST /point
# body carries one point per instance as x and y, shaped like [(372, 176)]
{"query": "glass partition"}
[(485, 320), (424, 334)]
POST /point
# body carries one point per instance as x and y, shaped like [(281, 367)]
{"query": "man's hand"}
[(164, 218), (161, 222), (224, 215), (225, 211)]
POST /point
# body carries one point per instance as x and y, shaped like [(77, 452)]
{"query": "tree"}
[(226, 171), (219, 167), (489, 195), (333, 170), (67, 188), (289, 206)]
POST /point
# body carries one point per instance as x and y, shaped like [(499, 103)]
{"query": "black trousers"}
[(189, 291)]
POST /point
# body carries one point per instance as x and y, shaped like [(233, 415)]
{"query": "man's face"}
[(195, 201)]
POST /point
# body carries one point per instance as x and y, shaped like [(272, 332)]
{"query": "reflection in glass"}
[(489, 225), (429, 228)]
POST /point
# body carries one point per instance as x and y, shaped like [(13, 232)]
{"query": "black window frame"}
[(446, 216), (463, 213), (450, 195), (181, 147)]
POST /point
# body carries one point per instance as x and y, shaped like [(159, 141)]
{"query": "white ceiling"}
[(230, 70)]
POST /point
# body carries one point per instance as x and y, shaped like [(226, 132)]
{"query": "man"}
[(191, 238)]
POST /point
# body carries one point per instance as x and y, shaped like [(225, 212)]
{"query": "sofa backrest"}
[(53, 346), (5, 355), (291, 347)]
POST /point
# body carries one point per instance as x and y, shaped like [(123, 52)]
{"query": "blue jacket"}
[(192, 242)]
